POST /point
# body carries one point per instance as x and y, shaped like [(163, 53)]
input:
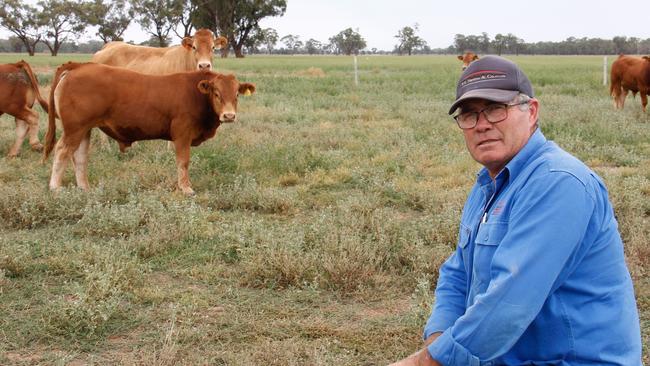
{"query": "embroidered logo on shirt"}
[(498, 208)]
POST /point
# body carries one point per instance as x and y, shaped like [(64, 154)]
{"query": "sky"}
[(378, 21)]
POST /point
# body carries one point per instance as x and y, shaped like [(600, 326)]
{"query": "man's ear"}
[(187, 43), (533, 110), (204, 86), (246, 89), (220, 42), (460, 58)]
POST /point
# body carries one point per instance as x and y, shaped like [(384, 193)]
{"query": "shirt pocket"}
[(488, 238)]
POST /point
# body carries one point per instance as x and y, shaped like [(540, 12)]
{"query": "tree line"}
[(56, 25), (511, 44)]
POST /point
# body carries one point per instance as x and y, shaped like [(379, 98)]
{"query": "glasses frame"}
[(478, 113)]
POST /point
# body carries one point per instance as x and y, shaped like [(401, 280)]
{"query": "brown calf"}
[(630, 74), (468, 58), (18, 91), (185, 108)]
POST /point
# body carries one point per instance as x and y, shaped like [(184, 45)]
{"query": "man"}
[(539, 275)]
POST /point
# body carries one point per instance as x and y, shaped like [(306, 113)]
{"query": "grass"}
[(320, 220)]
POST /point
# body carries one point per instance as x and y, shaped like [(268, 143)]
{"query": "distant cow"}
[(630, 74), (194, 53), (468, 58), (18, 91), (186, 108)]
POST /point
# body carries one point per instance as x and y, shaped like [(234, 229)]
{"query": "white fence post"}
[(356, 72), (605, 70)]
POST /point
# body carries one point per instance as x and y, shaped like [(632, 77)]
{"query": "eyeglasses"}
[(494, 113)]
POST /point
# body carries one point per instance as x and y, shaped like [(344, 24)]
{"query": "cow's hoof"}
[(37, 147), (188, 191)]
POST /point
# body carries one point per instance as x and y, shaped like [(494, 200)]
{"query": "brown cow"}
[(630, 74), (194, 53), (18, 91), (468, 58), (185, 108)]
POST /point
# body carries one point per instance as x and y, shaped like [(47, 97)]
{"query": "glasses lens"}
[(496, 112), (467, 119)]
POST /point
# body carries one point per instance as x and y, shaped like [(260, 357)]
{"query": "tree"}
[(408, 41), (620, 44), (254, 41), (499, 43), (348, 42), (292, 43), (313, 46), (237, 19), (186, 18), (484, 43), (111, 18), (22, 20), (158, 17), (270, 38), (464, 43), (16, 44), (60, 20)]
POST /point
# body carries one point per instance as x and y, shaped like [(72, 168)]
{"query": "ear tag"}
[(247, 92)]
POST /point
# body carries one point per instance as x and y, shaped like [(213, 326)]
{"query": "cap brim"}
[(493, 95)]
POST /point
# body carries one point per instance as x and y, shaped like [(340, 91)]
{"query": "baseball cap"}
[(492, 78)]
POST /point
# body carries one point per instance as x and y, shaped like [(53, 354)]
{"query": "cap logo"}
[(483, 75)]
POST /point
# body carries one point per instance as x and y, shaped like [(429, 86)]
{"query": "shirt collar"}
[(516, 164)]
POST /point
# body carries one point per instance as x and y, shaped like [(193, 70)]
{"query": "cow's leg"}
[(616, 93), (67, 145), (61, 157), (182, 164), (33, 131), (80, 160), (621, 98), (644, 100), (21, 132)]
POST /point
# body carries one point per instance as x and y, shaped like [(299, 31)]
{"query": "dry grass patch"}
[(312, 71)]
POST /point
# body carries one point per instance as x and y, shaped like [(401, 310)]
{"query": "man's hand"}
[(421, 357)]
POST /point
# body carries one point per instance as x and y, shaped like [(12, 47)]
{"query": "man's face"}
[(495, 144)]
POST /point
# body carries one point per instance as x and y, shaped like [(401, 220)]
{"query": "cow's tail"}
[(32, 79), (50, 135)]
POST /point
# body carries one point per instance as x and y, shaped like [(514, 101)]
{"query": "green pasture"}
[(320, 220)]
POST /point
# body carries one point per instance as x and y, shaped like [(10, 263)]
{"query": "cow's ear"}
[(204, 86), (246, 88), (460, 58), (475, 58), (188, 43), (220, 42)]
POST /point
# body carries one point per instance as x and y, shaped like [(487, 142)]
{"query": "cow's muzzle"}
[(205, 66), (228, 117)]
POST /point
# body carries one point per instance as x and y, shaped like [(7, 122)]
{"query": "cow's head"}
[(223, 91), (468, 58), (202, 45)]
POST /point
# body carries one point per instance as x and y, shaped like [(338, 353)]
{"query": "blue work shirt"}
[(539, 275)]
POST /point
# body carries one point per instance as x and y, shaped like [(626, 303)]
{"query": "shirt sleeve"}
[(451, 291), (547, 223)]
